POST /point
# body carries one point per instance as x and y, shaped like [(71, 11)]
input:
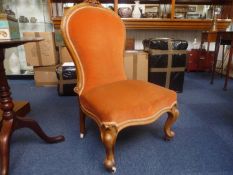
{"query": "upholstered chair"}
[(95, 38)]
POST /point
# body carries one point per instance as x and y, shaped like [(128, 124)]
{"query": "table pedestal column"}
[(10, 122)]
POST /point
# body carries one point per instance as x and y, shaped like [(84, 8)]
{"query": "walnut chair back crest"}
[(95, 38), (96, 42)]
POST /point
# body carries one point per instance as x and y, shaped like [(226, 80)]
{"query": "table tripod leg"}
[(6, 130), (26, 122)]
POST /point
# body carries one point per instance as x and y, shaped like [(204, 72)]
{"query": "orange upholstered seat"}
[(95, 38), (124, 101)]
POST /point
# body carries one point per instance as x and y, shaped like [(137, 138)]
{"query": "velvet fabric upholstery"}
[(126, 100), (95, 38), (98, 38)]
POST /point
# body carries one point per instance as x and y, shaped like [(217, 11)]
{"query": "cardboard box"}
[(136, 65), (41, 53), (9, 27), (64, 55), (45, 76)]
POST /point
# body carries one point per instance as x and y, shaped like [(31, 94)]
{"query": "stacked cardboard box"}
[(64, 55), (43, 57), (41, 53), (45, 75), (136, 65)]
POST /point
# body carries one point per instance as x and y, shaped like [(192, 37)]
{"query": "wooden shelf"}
[(119, 1), (173, 24), (198, 2), (203, 2)]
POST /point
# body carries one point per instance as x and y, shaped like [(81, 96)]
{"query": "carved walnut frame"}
[(109, 131)]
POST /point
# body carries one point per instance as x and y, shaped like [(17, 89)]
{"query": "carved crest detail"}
[(93, 2)]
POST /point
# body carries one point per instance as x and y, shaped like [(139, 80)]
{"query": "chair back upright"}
[(95, 38)]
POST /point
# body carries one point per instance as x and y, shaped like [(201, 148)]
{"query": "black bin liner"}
[(162, 44), (177, 81), (158, 61), (179, 60), (161, 61)]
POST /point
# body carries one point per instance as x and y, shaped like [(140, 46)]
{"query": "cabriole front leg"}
[(108, 136), (172, 117)]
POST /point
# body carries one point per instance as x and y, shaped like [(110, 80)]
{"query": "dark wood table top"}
[(17, 42), (10, 121), (209, 36)]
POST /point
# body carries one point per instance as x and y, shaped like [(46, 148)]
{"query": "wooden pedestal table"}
[(21, 108), (208, 36), (10, 121), (223, 38)]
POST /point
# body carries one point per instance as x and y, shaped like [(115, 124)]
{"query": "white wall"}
[(189, 36), (140, 35)]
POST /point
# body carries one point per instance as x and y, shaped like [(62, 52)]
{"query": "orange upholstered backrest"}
[(95, 37)]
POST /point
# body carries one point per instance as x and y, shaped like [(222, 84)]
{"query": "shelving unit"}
[(163, 23), (28, 9), (38, 27), (174, 24)]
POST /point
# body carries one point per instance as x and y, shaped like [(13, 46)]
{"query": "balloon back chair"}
[(95, 38)]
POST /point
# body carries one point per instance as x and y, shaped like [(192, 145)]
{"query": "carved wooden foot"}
[(26, 122), (108, 136), (5, 135), (172, 117), (82, 123)]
